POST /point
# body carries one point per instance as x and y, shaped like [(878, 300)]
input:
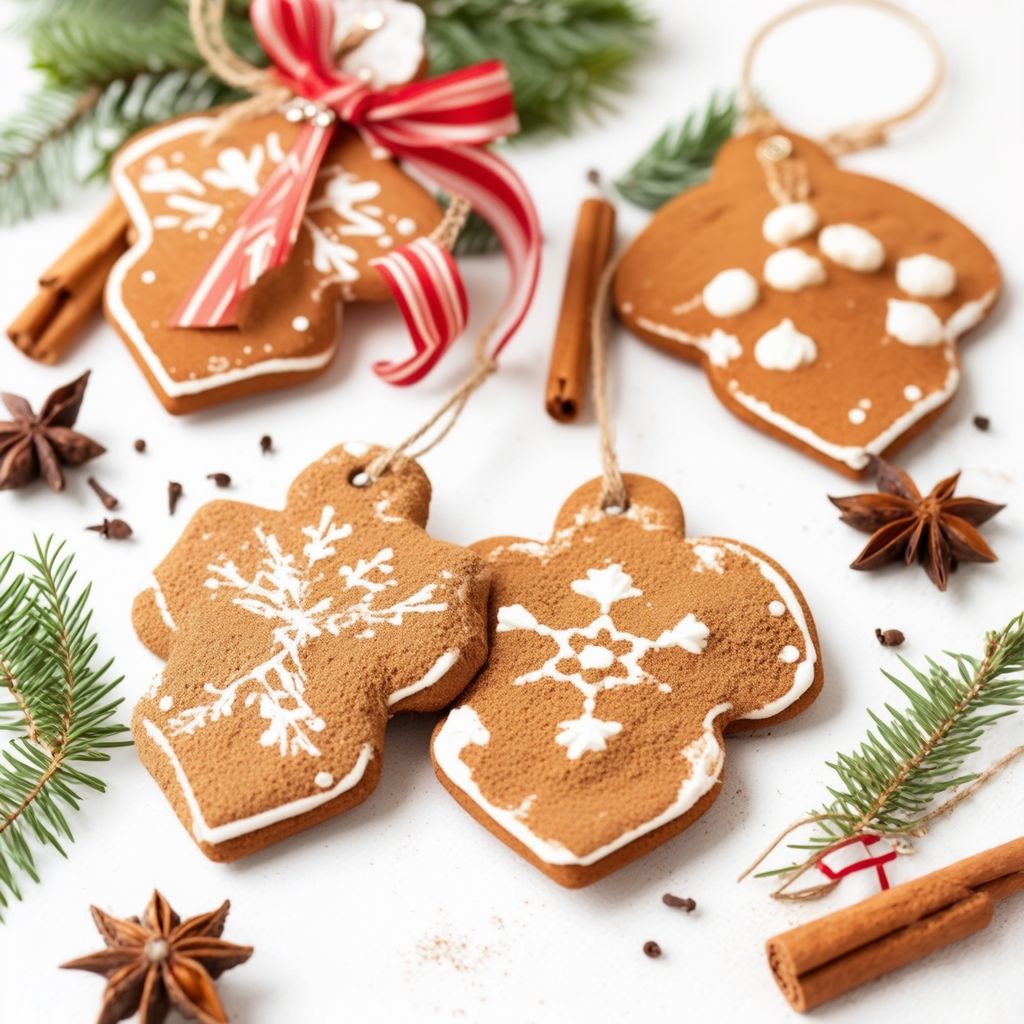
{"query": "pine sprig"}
[(565, 57), (59, 710), (67, 135), (681, 156), (114, 67), (887, 786)]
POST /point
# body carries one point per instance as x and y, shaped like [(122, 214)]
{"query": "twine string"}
[(758, 118)]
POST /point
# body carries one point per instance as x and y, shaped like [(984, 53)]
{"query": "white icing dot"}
[(385, 241), (925, 276), (789, 654), (627, 308), (790, 270), (730, 292), (301, 323), (857, 416), (247, 350), (324, 779), (776, 608), (864, 403), (912, 393), (217, 364), (268, 348), (913, 323), (148, 276), (789, 222), (851, 247), (785, 348), (166, 703), (721, 348), (405, 226)]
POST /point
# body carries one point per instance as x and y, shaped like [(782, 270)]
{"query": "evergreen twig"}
[(681, 156), (59, 709), (887, 786)]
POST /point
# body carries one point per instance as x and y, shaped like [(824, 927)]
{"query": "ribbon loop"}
[(439, 127)]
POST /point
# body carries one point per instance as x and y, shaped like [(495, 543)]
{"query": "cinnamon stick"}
[(821, 960), (570, 357), (71, 289)]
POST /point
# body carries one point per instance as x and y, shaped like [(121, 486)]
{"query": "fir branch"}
[(565, 57), (66, 136), (681, 156), (60, 709), (887, 786)]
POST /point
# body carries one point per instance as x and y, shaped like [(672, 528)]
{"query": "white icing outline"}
[(968, 316), (214, 834), (463, 727), (437, 672), (115, 281)]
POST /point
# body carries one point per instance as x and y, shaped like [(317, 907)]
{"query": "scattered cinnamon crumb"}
[(652, 949), (109, 501), (112, 529), (139, 445), (447, 952), (174, 493), (889, 637), (220, 479), (982, 422), (679, 902), (266, 444)]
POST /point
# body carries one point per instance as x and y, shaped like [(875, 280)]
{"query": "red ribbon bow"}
[(438, 127)]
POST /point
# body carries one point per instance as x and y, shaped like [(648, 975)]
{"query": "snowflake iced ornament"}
[(824, 306), (621, 651), (290, 638)]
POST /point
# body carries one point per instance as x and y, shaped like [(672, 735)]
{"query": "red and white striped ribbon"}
[(439, 127)]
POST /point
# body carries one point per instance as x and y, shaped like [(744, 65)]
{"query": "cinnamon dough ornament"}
[(184, 193), (824, 306), (829, 322), (621, 652), (290, 638)]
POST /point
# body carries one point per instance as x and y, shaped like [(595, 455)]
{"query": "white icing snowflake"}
[(280, 593), (599, 657)]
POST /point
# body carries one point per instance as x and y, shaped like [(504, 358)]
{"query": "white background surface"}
[(405, 908)]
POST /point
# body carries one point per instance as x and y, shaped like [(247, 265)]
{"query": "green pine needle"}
[(66, 135), (912, 756), (681, 156), (59, 710), (114, 67)]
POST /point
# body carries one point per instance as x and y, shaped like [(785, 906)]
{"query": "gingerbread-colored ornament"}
[(621, 651), (290, 638), (824, 306), (183, 192)]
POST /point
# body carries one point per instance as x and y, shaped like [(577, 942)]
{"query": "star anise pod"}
[(938, 530), (32, 446), (160, 963)]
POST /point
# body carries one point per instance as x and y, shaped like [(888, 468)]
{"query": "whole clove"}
[(112, 529), (266, 444), (889, 637), (679, 902), (139, 445), (174, 493), (109, 501), (220, 479), (652, 949)]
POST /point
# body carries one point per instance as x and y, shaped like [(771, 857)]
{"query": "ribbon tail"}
[(262, 239), (498, 195), (430, 293)]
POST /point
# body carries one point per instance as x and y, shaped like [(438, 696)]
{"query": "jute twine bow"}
[(757, 117)]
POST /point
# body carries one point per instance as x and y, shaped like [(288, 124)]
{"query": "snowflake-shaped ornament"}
[(620, 652), (290, 638)]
